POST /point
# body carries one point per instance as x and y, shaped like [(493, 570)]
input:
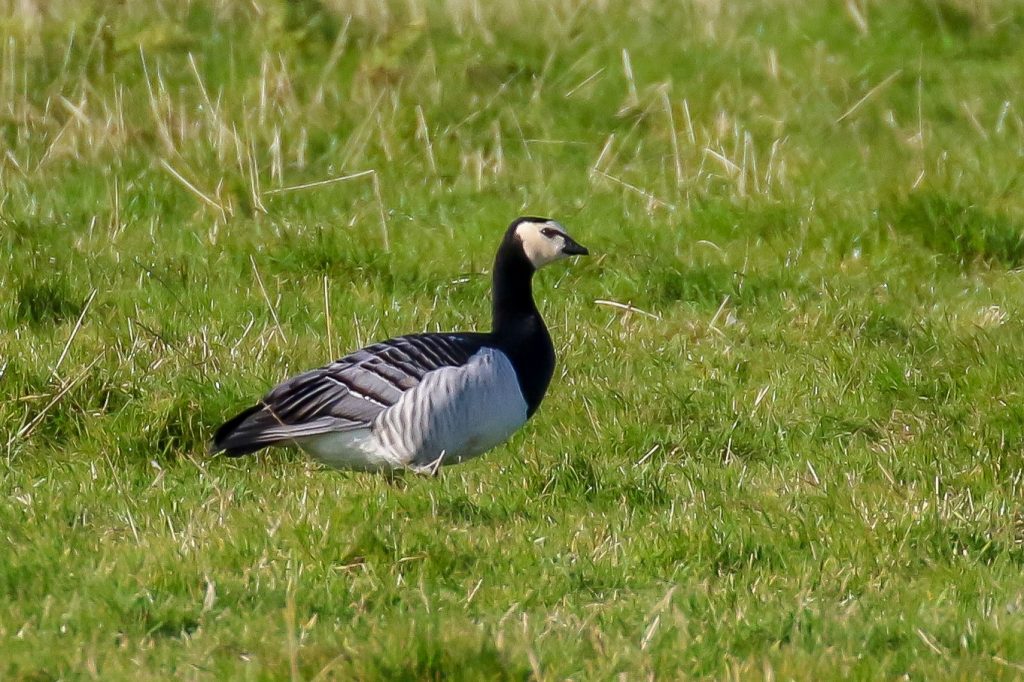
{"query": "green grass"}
[(805, 461)]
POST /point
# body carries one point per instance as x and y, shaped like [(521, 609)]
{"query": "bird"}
[(422, 401)]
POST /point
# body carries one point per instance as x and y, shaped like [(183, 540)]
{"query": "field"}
[(786, 436)]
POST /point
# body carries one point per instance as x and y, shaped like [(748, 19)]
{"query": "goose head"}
[(543, 241)]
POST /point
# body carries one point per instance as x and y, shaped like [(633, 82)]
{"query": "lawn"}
[(785, 439)]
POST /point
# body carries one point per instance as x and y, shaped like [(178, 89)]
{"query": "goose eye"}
[(549, 232)]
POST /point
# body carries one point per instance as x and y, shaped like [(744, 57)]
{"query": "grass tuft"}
[(47, 301), (966, 232)]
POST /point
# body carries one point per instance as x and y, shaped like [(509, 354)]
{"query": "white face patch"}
[(543, 242)]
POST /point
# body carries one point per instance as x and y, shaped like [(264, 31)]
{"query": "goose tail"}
[(258, 427), (242, 434)]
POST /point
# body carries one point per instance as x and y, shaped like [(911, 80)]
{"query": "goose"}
[(421, 401)]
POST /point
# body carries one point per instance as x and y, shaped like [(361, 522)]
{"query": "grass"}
[(799, 457)]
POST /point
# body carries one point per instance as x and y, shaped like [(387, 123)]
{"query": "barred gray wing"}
[(356, 388)]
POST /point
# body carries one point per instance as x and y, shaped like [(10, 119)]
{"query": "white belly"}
[(359, 450)]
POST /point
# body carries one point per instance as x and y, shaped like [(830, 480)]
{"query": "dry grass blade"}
[(206, 199), (319, 183), (652, 200), (869, 95), (626, 307), (266, 298), (26, 430), (74, 332)]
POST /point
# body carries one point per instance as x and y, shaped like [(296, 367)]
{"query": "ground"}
[(786, 436)]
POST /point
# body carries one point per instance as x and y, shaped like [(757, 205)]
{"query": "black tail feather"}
[(224, 440)]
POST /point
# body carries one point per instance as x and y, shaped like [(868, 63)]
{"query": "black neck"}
[(512, 292), (518, 328)]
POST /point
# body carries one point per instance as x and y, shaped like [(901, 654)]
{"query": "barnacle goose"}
[(422, 400)]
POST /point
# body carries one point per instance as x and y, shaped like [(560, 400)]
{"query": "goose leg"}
[(395, 478), (431, 469)]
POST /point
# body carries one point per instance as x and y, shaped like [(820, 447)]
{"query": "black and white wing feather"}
[(345, 395)]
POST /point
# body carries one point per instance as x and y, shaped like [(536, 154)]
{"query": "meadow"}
[(785, 439)]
